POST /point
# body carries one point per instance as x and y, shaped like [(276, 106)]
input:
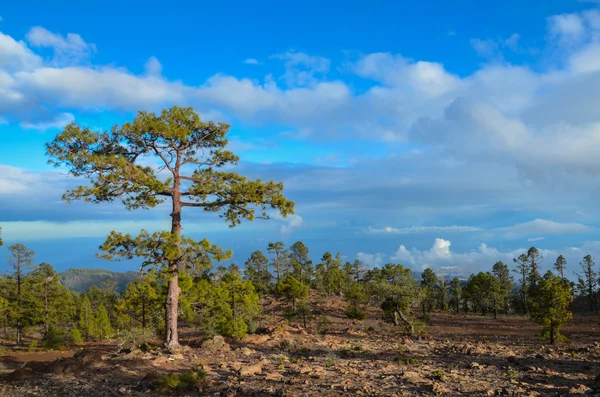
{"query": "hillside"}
[(81, 279)]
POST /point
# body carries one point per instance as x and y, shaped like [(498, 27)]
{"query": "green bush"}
[(355, 313), (75, 337), (54, 338), (188, 380), (323, 324), (135, 337)]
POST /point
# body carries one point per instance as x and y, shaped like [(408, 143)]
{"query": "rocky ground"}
[(459, 355)]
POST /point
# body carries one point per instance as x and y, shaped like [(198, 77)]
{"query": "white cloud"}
[(45, 230), (153, 67), (16, 56), (543, 226), (424, 229), (251, 61), (60, 121), (292, 222), (567, 28), (69, 48), (531, 240), (375, 260), (484, 48), (302, 69)]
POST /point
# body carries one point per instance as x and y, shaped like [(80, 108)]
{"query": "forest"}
[(227, 300)]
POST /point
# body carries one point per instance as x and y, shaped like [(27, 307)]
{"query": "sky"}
[(427, 133)]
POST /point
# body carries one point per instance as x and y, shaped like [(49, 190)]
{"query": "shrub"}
[(323, 324), (54, 338), (192, 378), (408, 361), (33, 345), (439, 374), (135, 337), (355, 313), (75, 337)]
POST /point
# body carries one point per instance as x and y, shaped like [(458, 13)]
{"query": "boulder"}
[(250, 370), (216, 344)]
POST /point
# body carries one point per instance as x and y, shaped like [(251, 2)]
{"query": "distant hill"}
[(81, 279)]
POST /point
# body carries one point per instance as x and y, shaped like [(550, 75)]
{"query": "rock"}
[(150, 378), (160, 360), (247, 352), (475, 365), (89, 356), (256, 339), (274, 376), (305, 370), (410, 375), (439, 389), (236, 366), (579, 389), (250, 370), (134, 363), (216, 344), (19, 375), (37, 366), (176, 356), (540, 357)]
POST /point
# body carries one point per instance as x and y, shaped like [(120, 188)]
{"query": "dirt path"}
[(42, 357)]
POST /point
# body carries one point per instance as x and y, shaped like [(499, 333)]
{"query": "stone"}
[(579, 389), (250, 370), (216, 344), (20, 374), (256, 339), (246, 351), (274, 376)]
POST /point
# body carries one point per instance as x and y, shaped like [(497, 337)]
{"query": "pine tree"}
[(53, 302), (429, 283), (142, 302), (535, 260), (292, 290), (86, 322), (280, 259), (257, 271), (505, 283), (397, 290), (523, 270), (455, 293), (300, 263), (193, 154), (549, 306), (589, 280), (560, 265), (22, 262), (242, 299), (102, 327)]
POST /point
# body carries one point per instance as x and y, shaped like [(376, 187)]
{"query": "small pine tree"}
[(75, 337), (549, 306), (86, 319), (102, 326)]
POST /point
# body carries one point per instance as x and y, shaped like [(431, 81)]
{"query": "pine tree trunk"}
[(172, 304), (405, 320), (19, 331), (46, 310)]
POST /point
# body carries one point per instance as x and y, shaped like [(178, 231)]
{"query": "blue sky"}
[(426, 133)]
